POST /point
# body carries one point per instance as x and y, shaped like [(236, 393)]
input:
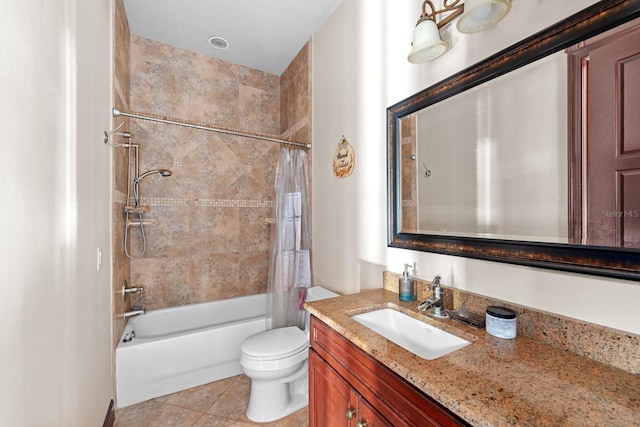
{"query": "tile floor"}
[(219, 404)]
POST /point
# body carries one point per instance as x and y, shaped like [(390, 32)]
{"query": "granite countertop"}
[(493, 381)]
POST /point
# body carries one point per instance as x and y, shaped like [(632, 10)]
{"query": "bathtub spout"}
[(135, 311)]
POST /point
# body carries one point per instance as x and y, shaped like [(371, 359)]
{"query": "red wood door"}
[(613, 139)]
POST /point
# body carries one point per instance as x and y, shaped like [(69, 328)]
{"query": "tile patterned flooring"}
[(219, 404)]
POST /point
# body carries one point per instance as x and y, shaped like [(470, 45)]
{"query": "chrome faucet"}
[(126, 290), (435, 303), (135, 311)]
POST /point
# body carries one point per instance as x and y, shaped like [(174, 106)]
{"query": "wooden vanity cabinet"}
[(347, 387)]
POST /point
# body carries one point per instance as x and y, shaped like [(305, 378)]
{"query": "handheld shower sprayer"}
[(162, 172), (138, 210)]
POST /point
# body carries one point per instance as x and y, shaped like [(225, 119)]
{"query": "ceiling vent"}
[(218, 42)]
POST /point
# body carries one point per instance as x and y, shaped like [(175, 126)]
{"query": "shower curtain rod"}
[(202, 126)]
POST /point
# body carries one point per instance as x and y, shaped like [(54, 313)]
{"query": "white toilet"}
[(276, 361)]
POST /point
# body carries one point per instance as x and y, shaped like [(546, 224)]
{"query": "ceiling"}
[(262, 34)]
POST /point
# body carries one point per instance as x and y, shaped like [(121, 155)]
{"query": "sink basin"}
[(411, 334)]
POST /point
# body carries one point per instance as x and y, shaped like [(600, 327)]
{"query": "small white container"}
[(501, 322)]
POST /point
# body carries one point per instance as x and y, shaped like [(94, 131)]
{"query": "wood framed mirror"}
[(441, 201)]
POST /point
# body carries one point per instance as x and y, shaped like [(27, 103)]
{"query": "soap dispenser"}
[(406, 290)]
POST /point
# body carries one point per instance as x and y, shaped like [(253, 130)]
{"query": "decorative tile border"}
[(120, 92), (234, 203), (121, 198), (165, 201), (296, 127)]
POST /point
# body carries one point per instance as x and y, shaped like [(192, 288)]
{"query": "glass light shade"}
[(427, 44), (481, 14)]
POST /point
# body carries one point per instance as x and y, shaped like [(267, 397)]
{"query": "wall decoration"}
[(344, 159)]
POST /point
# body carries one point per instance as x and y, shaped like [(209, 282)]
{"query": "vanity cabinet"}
[(347, 387)]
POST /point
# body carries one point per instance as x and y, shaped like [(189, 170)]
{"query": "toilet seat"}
[(274, 350), (274, 344)]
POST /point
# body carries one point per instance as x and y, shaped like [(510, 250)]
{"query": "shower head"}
[(162, 172)]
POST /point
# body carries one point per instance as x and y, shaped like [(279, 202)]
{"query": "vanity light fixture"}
[(479, 15), (482, 14)]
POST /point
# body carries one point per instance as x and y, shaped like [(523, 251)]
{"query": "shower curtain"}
[(290, 258)]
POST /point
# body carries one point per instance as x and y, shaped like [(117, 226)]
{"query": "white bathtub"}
[(182, 347)]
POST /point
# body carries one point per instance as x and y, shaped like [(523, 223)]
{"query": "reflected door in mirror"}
[(611, 94)]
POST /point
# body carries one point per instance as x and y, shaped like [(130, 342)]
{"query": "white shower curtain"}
[(290, 258)]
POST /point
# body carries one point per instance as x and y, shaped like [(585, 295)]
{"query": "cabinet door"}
[(332, 402), (369, 417)]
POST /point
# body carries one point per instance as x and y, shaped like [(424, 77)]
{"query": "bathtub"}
[(182, 347)]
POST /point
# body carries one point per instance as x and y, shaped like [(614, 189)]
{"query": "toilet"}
[(276, 361)]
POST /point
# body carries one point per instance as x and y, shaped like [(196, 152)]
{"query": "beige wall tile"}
[(210, 240)]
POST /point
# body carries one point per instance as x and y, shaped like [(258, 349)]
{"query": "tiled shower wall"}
[(121, 265), (409, 174), (211, 237)]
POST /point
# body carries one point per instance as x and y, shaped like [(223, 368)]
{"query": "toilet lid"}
[(275, 343)]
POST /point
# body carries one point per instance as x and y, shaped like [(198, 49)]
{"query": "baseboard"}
[(110, 419)]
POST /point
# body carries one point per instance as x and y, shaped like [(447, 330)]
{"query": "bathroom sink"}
[(411, 334)]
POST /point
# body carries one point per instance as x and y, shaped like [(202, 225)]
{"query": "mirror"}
[(475, 171), (503, 173)]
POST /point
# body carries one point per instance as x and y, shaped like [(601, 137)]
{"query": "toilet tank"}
[(316, 293)]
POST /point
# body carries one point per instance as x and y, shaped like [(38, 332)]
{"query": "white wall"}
[(360, 69), (55, 305)]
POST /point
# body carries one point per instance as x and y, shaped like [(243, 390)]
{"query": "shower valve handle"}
[(138, 289), (134, 289), (135, 209)]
